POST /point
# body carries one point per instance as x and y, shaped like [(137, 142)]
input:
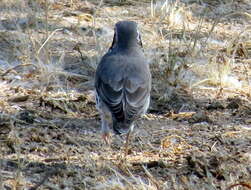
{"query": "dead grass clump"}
[(173, 13), (121, 182), (217, 72)]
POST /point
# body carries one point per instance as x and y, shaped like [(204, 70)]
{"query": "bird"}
[(122, 82)]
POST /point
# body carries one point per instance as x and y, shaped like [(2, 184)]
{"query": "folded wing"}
[(124, 90)]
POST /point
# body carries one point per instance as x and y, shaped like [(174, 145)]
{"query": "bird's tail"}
[(121, 128)]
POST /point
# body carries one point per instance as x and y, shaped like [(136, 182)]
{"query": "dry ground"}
[(197, 134)]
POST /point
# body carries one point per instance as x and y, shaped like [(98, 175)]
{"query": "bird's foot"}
[(107, 138), (128, 137)]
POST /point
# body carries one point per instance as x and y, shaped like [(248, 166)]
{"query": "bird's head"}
[(126, 35)]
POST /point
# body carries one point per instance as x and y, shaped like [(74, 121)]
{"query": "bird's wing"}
[(109, 86), (112, 97), (137, 93)]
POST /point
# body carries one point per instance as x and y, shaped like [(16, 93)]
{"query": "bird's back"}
[(123, 83)]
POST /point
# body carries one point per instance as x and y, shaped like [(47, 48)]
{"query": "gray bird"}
[(122, 82)]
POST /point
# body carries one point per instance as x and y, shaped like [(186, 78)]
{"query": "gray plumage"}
[(123, 80)]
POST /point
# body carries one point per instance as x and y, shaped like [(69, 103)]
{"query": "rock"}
[(234, 103), (214, 106), (199, 117)]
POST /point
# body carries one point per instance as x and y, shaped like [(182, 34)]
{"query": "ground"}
[(197, 132)]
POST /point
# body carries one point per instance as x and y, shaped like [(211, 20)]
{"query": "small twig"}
[(121, 176), (212, 147), (49, 37), (153, 180), (77, 48), (216, 21), (13, 68), (196, 32), (241, 184), (46, 29), (45, 178)]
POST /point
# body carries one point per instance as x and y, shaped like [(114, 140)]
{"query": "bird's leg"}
[(128, 138), (107, 138), (128, 135), (105, 130)]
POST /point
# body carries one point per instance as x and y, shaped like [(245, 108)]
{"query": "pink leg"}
[(107, 137)]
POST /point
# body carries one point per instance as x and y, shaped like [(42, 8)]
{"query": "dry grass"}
[(198, 133)]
